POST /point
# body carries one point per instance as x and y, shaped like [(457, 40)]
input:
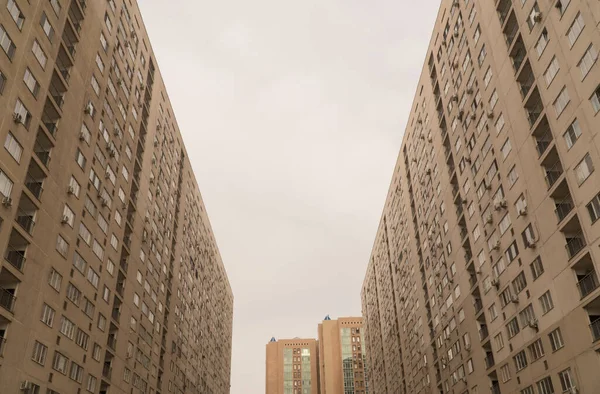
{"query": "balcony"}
[(543, 136), (112, 341), (483, 332), (107, 371), (15, 256), (70, 39), (526, 79), (478, 305), (503, 8), (26, 220), (489, 360), (575, 243), (586, 284), (534, 107), (552, 172), (50, 118), (7, 299), (511, 30), (518, 54), (2, 343)]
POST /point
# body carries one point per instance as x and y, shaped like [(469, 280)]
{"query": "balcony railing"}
[(489, 361), (595, 328), (587, 284), (563, 208), (7, 300), (34, 186), (543, 143), (26, 221), (112, 342), (574, 245), (495, 389), (2, 342), (478, 305), (107, 371), (483, 333), (15, 257), (553, 173)]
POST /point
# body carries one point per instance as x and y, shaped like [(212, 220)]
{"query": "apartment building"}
[(342, 365), (483, 275), (111, 280), (292, 366)]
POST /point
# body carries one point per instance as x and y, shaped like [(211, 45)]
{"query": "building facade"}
[(342, 363), (111, 279), (483, 275), (292, 366)]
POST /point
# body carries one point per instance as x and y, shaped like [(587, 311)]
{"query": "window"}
[(527, 390), (76, 372), (562, 5), (520, 360), (101, 322), (2, 82), (13, 147), (91, 384), (572, 134), (505, 373), (68, 216), (476, 233), (85, 234), (476, 35), (82, 339), (513, 328), (493, 99), (88, 307), (98, 250), (93, 277), (546, 302), (22, 114), (6, 43), (31, 83), (587, 60), (95, 86), (556, 341), (106, 294), (527, 316), (519, 283), (488, 77), (481, 57), (67, 327), (6, 185), (513, 176), (55, 280), (47, 315), (15, 13), (505, 224), (96, 352), (584, 169), (542, 42), (499, 123), (46, 26), (575, 29), (39, 353), (103, 41), (110, 267), (493, 312), (595, 99), (60, 363), (561, 101), (73, 294), (499, 341), (536, 350), (100, 63), (506, 148), (537, 268), (551, 71), (55, 6), (80, 159), (545, 386), (566, 381), (534, 16), (39, 54)]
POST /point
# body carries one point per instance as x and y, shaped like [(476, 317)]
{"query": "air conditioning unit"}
[(456, 33), (522, 211), (104, 202), (155, 144), (496, 245), (488, 186), (142, 87), (498, 205), (26, 385), (17, 118), (473, 116), (444, 43), (469, 90), (429, 139), (468, 347), (107, 175), (468, 159), (490, 114), (455, 64), (119, 82), (573, 390), (152, 180), (71, 190), (65, 219), (89, 109), (531, 245), (533, 323), (428, 171), (536, 17), (489, 218), (112, 152), (454, 97), (81, 136), (514, 299), (419, 121), (455, 4), (7, 202)]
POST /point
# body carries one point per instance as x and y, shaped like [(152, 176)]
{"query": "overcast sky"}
[(292, 113)]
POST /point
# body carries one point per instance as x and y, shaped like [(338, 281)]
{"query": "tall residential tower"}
[(483, 275), (111, 279), (292, 366), (342, 365)]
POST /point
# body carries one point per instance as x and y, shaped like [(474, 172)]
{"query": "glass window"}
[(561, 101), (575, 29), (546, 302), (584, 169), (572, 134), (15, 13), (545, 386), (6, 43), (46, 26), (587, 60), (39, 54), (542, 42), (13, 147), (556, 340), (551, 71)]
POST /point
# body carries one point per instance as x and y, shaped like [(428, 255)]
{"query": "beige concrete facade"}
[(292, 366), (342, 367), (111, 280), (483, 277)]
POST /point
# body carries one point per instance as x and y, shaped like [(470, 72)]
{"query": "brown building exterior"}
[(292, 366), (111, 280), (342, 366), (483, 275)]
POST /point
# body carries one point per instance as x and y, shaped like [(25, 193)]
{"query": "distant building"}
[(292, 366), (342, 367)]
